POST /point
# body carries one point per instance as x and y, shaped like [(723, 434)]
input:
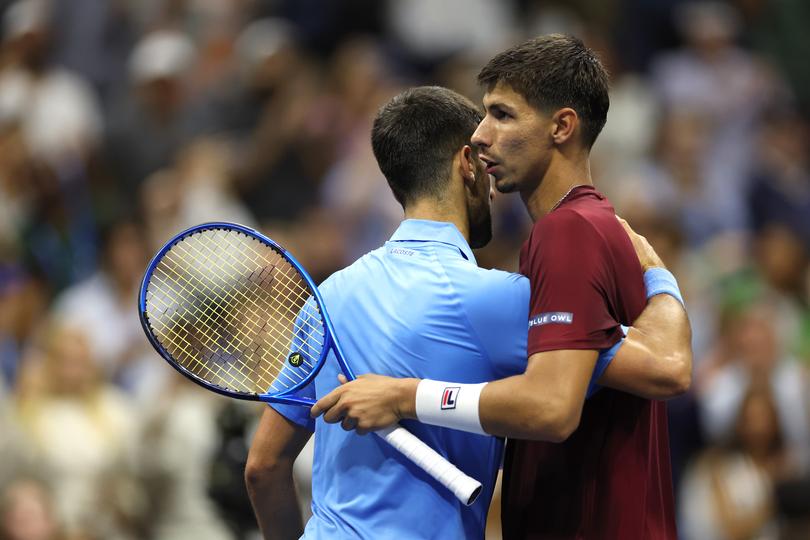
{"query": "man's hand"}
[(369, 403), (646, 254)]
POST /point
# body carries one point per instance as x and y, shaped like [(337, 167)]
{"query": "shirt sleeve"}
[(602, 362), (306, 342), (297, 413), (568, 265), (498, 317)]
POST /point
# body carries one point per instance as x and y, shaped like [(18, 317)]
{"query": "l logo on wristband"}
[(449, 397)]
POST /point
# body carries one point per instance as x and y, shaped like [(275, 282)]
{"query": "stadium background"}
[(123, 121)]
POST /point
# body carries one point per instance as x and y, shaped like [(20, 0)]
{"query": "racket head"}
[(236, 313)]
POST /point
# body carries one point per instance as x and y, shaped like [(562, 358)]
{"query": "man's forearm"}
[(268, 475), (655, 360), (543, 403), (275, 503), (666, 330)]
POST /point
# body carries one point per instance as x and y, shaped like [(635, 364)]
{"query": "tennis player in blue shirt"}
[(419, 306)]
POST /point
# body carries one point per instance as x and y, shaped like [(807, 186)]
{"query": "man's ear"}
[(467, 165), (565, 122)]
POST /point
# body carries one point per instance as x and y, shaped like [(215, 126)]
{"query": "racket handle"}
[(465, 488)]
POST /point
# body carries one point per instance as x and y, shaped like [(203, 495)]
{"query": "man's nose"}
[(480, 137)]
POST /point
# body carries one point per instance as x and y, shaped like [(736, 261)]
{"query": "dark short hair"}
[(552, 72), (415, 137)]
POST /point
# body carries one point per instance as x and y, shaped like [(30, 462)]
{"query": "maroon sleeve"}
[(567, 261)]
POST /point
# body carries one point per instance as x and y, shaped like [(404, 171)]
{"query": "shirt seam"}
[(473, 332)]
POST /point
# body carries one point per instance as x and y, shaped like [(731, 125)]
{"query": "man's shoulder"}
[(565, 228), (593, 220), (351, 272), (487, 291)]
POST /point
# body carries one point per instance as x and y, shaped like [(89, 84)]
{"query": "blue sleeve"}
[(308, 344), (297, 413), (602, 362), (498, 311)]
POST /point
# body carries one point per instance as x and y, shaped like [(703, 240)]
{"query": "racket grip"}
[(464, 487)]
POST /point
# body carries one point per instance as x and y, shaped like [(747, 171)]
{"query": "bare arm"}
[(655, 361), (543, 403), (268, 475)]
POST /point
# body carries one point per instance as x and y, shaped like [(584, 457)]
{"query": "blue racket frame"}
[(330, 343)]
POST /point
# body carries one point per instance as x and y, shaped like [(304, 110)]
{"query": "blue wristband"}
[(661, 281)]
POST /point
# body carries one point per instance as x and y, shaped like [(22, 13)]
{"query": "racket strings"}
[(294, 283), (213, 330), (229, 308), (210, 332), (288, 315), (276, 313), (243, 296)]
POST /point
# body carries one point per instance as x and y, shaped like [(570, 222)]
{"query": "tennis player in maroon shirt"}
[(574, 468), (611, 478)]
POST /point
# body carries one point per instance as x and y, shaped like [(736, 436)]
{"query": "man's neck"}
[(561, 177), (433, 211)]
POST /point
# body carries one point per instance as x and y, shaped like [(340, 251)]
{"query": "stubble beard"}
[(481, 231)]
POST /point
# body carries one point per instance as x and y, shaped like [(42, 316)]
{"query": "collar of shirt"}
[(422, 230)]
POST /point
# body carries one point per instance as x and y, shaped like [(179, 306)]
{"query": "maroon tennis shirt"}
[(611, 479)]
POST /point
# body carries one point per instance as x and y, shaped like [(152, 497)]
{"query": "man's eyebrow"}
[(499, 105)]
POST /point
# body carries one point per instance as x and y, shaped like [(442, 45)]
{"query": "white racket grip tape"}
[(462, 486)]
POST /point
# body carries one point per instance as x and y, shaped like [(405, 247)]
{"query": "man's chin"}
[(504, 185)]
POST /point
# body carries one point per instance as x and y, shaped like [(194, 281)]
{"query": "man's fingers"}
[(342, 378), (335, 414), (325, 403), (628, 229), (348, 423)]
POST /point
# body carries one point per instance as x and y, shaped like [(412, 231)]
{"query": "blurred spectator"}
[(430, 32), (180, 440), (728, 493), (294, 129), (264, 54), (780, 185), (234, 422), (104, 306), (752, 351), (782, 259), (629, 134), (23, 303), (93, 39), (58, 237), (725, 87), (149, 122), (197, 188), (325, 24), (26, 513), (59, 113), (354, 189), (15, 193), (776, 29), (673, 180), (82, 432)]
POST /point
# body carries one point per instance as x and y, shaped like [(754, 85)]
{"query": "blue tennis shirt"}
[(417, 307)]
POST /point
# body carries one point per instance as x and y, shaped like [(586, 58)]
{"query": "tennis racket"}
[(234, 312)]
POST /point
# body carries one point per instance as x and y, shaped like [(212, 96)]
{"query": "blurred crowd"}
[(124, 121)]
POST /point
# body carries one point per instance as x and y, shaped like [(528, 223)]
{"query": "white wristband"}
[(451, 405)]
